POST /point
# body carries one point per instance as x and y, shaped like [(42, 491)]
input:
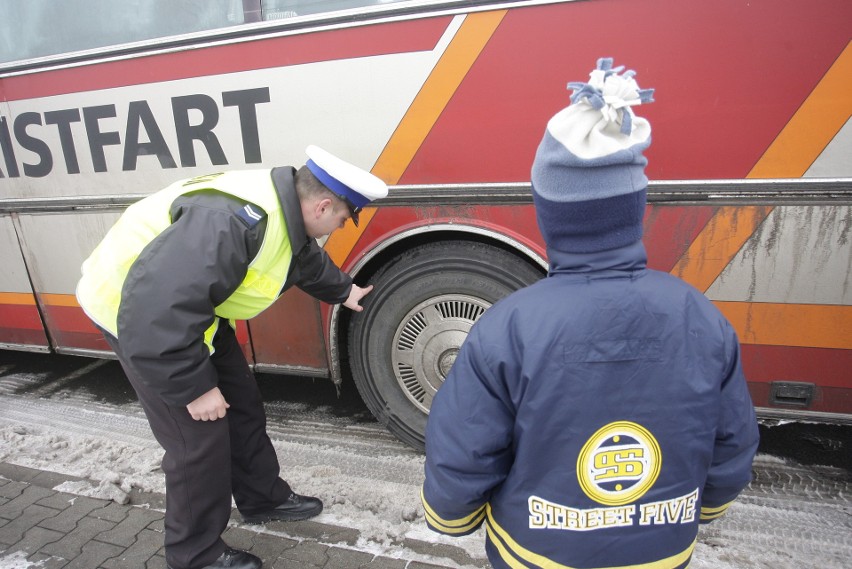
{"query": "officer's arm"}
[(320, 277), (170, 294)]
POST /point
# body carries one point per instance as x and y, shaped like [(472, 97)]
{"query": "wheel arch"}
[(382, 251)]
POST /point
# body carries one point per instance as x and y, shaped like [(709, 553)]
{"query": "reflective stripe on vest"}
[(106, 269)]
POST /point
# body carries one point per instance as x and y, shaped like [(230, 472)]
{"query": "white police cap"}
[(351, 184)]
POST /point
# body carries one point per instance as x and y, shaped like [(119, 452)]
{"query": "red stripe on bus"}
[(827, 367), (21, 325), (739, 91), (349, 43), (516, 222), (80, 340), (23, 338), (70, 327), (20, 317), (69, 319)]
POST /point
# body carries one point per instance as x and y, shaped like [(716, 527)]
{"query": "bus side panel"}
[(787, 297), (20, 322), (728, 76), (57, 245), (69, 326), (517, 222), (289, 333), (826, 372), (308, 89), (782, 276), (295, 84), (731, 79)]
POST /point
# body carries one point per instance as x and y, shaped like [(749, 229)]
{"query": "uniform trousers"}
[(207, 462)]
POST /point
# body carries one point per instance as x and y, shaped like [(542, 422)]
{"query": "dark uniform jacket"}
[(192, 267), (591, 420)]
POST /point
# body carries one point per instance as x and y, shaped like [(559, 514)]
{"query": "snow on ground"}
[(379, 495), (17, 560)]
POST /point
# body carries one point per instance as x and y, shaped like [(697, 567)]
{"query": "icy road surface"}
[(78, 417)]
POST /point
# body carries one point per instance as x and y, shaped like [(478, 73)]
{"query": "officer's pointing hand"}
[(355, 296), (208, 407)]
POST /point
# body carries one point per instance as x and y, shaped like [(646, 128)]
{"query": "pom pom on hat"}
[(588, 177), (356, 187)]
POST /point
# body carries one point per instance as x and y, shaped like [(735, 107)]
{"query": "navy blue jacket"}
[(592, 419)]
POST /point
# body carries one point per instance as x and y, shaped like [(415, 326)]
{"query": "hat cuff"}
[(592, 225), (559, 174)]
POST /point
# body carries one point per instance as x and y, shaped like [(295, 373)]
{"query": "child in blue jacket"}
[(597, 417)]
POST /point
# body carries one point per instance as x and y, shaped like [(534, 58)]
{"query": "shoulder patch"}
[(251, 215)]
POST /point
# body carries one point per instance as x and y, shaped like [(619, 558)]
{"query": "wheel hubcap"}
[(446, 361), (427, 342)]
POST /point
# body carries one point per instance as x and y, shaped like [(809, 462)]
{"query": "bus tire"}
[(423, 304)]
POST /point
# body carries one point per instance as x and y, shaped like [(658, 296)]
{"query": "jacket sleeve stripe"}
[(518, 557), (709, 514), (715, 509), (505, 554), (457, 527)]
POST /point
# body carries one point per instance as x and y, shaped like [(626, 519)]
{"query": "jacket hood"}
[(629, 258)]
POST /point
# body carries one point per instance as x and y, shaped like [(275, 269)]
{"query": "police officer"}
[(597, 417), (166, 286)]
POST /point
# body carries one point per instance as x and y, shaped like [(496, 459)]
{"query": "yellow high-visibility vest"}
[(106, 269)]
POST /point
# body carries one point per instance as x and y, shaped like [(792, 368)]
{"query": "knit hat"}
[(588, 177)]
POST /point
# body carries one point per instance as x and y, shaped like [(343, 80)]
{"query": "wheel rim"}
[(427, 341)]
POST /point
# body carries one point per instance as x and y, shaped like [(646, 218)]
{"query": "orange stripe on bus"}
[(340, 243), (59, 300), (430, 102), (721, 239), (23, 298), (804, 325), (814, 125), (799, 144), (422, 115)]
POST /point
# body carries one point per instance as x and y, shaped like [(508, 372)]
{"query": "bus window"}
[(28, 30), (279, 9), (39, 28)]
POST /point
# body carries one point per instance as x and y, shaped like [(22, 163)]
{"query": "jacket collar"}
[(629, 258), (284, 179)]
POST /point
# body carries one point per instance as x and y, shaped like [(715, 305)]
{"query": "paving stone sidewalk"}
[(41, 528)]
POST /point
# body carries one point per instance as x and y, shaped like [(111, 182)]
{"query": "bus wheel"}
[(424, 302)]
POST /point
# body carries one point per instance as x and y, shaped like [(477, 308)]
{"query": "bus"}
[(750, 198)]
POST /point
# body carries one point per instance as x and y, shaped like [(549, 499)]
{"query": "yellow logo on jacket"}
[(619, 463)]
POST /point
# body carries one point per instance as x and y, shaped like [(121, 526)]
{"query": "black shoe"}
[(294, 508), (235, 559)]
